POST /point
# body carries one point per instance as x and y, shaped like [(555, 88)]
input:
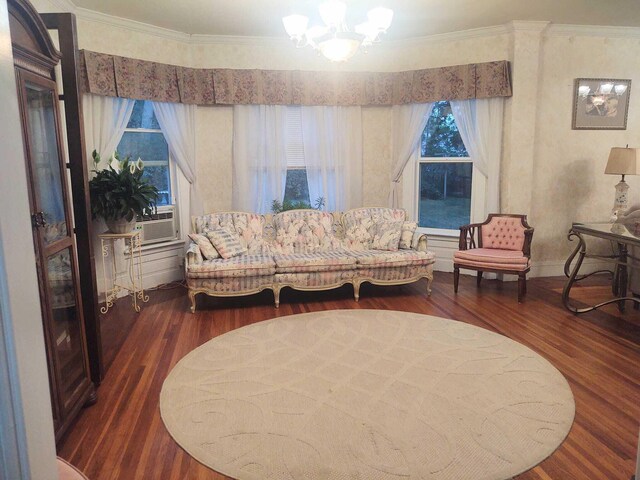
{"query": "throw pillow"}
[(227, 243), (406, 236), (386, 235), (205, 246)]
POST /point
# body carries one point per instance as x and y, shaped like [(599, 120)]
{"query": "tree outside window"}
[(445, 173)]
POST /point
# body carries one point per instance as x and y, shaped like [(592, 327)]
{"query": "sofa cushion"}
[(386, 235), (358, 224), (226, 242), (384, 259), (240, 266), (204, 244), (315, 262), (304, 231), (248, 226), (204, 223), (406, 235), (250, 229)]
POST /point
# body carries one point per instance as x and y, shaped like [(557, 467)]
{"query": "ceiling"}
[(413, 18)]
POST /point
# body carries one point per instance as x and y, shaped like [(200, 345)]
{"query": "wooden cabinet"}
[(54, 241)]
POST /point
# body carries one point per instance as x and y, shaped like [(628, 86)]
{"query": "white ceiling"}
[(413, 18)]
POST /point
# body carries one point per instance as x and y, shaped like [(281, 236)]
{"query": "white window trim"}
[(411, 188), (172, 182), (442, 242)]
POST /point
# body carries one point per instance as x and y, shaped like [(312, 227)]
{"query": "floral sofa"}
[(309, 250)]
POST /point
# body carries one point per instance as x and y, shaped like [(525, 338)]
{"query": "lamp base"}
[(621, 201)]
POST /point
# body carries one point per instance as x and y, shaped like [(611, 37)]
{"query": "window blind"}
[(294, 150)]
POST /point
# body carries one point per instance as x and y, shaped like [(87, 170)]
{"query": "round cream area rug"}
[(366, 395)]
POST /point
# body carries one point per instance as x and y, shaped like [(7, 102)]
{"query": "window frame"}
[(411, 190), (155, 163), (478, 189), (296, 162)]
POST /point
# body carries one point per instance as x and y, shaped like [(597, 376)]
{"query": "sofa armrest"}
[(420, 243), (193, 255)]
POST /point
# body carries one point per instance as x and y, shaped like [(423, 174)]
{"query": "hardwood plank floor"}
[(123, 437)]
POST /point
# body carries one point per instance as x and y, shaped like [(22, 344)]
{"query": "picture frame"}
[(601, 104)]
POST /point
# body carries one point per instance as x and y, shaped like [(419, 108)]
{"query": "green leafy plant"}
[(119, 191), (277, 206)]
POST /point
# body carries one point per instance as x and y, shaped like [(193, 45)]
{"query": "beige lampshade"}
[(623, 161)]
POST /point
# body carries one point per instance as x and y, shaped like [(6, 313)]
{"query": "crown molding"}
[(131, 25), (447, 37), (545, 27), (202, 39), (536, 26), (566, 30)]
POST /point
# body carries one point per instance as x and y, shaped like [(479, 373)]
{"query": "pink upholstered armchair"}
[(501, 244)]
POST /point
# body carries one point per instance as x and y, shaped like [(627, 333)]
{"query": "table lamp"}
[(622, 161)]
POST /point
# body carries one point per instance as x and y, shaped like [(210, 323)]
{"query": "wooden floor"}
[(123, 437)]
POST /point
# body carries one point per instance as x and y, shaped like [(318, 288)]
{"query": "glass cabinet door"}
[(55, 246)]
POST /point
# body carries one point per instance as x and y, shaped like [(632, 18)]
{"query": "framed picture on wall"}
[(600, 104)]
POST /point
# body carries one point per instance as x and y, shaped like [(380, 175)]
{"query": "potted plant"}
[(119, 193)]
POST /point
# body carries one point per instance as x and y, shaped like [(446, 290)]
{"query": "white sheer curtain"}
[(105, 119), (332, 143), (178, 124), (480, 125), (259, 156), (408, 124)]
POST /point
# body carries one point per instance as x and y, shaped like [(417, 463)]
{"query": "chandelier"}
[(334, 39)]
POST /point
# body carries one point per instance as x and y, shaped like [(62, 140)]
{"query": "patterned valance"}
[(115, 76)]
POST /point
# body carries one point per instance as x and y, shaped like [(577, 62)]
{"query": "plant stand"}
[(133, 257)]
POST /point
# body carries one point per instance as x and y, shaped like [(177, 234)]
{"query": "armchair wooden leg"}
[(522, 286), (456, 277), (479, 278)]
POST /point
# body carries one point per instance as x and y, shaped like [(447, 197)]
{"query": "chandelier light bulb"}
[(295, 25), (380, 17), (333, 12), (368, 31), (339, 49)]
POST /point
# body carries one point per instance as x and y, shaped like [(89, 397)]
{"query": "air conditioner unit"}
[(158, 227)]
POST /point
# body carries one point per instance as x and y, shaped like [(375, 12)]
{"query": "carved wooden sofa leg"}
[(356, 290), (429, 282), (276, 296), (192, 298)]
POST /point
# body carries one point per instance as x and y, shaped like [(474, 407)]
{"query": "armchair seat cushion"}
[(330, 261), (385, 258), (240, 266), (493, 258)]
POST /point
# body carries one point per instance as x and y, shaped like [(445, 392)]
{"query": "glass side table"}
[(133, 259), (623, 239)]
